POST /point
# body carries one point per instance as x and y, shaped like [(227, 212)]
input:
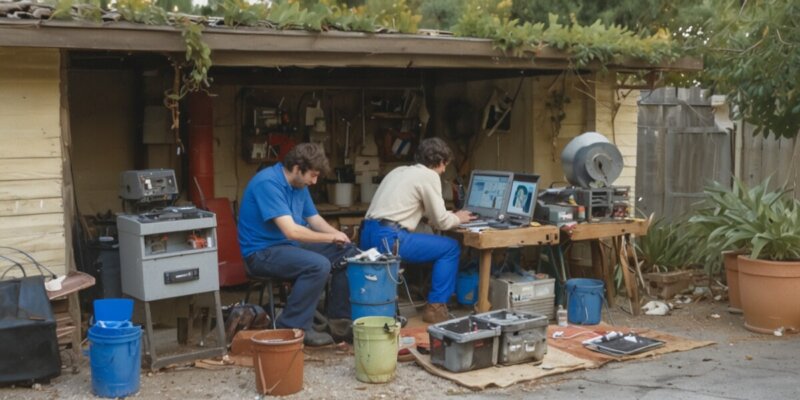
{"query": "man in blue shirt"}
[(282, 235)]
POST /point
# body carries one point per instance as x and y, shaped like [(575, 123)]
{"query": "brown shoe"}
[(435, 313)]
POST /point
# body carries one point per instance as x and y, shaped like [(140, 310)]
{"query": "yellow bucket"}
[(376, 343)]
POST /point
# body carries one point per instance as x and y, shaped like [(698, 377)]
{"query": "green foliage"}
[(350, 19), (763, 221), (183, 6), (584, 43), (198, 55), (240, 12), (393, 14), (142, 11), (637, 15), (440, 14), (752, 53), (84, 10), (666, 247)]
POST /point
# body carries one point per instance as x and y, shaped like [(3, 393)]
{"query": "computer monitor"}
[(522, 198), (487, 193)]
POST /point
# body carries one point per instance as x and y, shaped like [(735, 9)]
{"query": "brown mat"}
[(555, 362), (575, 335), (563, 355)]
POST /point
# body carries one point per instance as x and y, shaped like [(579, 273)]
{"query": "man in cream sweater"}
[(406, 195)]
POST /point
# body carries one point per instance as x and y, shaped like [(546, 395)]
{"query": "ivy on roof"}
[(489, 19)]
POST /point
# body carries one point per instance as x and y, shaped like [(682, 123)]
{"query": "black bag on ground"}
[(241, 317), (28, 343)]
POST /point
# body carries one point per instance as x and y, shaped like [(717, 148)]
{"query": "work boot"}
[(314, 339), (341, 329), (435, 313)]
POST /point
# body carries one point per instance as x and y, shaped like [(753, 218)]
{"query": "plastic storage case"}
[(523, 335), (464, 344), (519, 293)]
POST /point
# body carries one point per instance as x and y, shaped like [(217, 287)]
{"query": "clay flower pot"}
[(730, 259), (770, 294)]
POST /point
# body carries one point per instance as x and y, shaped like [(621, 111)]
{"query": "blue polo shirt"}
[(268, 196)]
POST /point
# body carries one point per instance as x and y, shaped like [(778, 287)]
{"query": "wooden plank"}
[(45, 256), (14, 226), (631, 286), (32, 125), (33, 147), (45, 248), (16, 169), (30, 189), (31, 207), (30, 270), (493, 239), (599, 230)]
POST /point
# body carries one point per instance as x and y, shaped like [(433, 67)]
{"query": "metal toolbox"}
[(523, 336), (520, 293), (464, 344), (168, 254)]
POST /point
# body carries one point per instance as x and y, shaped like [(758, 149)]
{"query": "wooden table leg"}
[(606, 274), (630, 283), (483, 285)]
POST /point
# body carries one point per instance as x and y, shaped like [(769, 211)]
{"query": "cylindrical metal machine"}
[(591, 160)]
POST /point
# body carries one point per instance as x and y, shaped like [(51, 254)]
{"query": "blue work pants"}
[(308, 266), (418, 248)]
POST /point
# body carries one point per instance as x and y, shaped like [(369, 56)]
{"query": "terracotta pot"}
[(732, 277), (770, 294)]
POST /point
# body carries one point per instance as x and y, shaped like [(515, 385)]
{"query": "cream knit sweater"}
[(407, 194)]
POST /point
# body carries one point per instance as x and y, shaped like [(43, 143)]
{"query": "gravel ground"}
[(329, 374)]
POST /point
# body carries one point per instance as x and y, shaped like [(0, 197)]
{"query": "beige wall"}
[(31, 204), (102, 125)]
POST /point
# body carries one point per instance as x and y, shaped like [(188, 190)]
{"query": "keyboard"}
[(478, 222)]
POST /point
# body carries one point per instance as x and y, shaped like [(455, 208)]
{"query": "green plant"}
[(762, 221), (665, 247)]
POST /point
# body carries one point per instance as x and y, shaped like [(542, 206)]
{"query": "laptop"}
[(521, 201), (487, 195)]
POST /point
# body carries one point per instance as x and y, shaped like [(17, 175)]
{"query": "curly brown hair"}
[(307, 156), (433, 151)]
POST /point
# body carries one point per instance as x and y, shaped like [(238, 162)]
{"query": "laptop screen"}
[(522, 196), (487, 193)]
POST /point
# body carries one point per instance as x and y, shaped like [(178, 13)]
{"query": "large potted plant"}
[(711, 216), (766, 224)]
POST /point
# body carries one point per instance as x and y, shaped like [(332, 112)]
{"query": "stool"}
[(264, 282)]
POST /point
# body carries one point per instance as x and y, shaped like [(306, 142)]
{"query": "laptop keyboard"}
[(478, 222)]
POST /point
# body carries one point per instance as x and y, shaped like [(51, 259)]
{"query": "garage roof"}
[(271, 47)]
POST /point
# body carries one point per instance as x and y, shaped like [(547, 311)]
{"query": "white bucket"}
[(368, 191), (344, 195)]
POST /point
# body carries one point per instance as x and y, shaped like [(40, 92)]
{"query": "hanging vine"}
[(555, 105)]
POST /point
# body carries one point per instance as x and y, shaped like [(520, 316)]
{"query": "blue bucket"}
[(584, 301), (113, 309), (115, 358), (373, 288), (467, 287)]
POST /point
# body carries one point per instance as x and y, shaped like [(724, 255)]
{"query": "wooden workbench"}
[(488, 240), (620, 233)]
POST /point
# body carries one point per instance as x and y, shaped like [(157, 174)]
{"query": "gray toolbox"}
[(464, 344), (523, 335), (522, 293)]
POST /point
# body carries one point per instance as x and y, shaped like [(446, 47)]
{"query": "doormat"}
[(564, 354)]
